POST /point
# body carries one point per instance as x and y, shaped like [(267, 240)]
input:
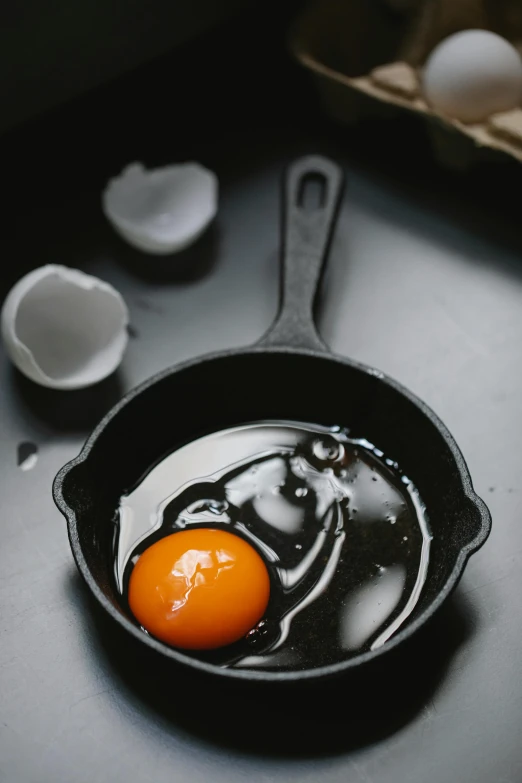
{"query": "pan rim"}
[(466, 550)]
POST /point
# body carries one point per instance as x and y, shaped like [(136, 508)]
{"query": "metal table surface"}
[(424, 282)]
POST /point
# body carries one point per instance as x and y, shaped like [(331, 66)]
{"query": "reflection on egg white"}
[(374, 492), (278, 512), (246, 485), (285, 657), (368, 607), (323, 581)]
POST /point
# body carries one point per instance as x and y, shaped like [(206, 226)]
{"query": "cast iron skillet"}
[(289, 374)]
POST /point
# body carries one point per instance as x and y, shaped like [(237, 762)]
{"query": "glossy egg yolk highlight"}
[(199, 589)]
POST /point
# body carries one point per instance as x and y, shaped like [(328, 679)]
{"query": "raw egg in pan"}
[(272, 545)]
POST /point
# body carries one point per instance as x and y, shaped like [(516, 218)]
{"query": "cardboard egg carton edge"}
[(391, 85)]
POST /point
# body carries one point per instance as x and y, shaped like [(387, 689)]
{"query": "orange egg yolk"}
[(199, 589)]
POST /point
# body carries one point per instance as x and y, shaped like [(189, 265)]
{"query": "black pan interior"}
[(249, 386)]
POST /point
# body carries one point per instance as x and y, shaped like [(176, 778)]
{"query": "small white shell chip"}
[(64, 329), (162, 210)]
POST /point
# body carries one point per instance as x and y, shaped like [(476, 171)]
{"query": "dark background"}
[(424, 281), (53, 51)]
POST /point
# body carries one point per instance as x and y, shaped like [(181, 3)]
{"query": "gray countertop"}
[(419, 284)]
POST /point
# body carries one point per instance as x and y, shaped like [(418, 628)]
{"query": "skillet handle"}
[(307, 230)]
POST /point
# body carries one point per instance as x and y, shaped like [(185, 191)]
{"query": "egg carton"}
[(366, 57)]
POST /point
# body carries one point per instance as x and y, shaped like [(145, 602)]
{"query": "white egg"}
[(163, 210), (64, 329), (473, 74)]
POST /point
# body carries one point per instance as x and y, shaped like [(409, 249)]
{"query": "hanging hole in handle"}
[(312, 192)]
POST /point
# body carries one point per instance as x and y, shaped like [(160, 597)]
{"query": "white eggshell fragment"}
[(473, 74), (163, 210), (64, 329)]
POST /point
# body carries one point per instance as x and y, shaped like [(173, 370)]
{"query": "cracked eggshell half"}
[(163, 210), (64, 329)]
